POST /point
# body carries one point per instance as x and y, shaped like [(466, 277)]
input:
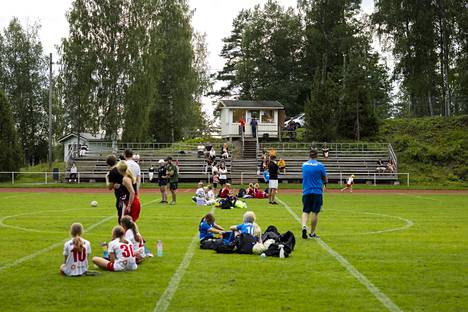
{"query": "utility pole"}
[(50, 112)]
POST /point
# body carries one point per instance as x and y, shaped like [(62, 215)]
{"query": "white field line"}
[(165, 299), (386, 301), (55, 245)]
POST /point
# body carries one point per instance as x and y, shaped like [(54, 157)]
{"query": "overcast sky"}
[(213, 17)]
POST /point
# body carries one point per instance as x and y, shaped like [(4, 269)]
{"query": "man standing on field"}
[(314, 181), (173, 174)]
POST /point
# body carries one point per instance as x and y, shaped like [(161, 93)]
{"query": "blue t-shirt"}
[(204, 228), (247, 228), (312, 173)]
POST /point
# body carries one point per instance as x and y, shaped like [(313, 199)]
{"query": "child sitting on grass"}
[(76, 252)]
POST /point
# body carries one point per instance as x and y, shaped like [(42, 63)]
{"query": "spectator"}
[(173, 174), (210, 196), (151, 173), (250, 191), (200, 150), (222, 173), (292, 126), (162, 180), (282, 165), (212, 155), (225, 151), (208, 166), (381, 166), (73, 173), (391, 165), (241, 126), (254, 125), (325, 150), (258, 193), (208, 148)]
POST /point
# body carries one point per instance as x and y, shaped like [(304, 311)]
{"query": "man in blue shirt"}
[(314, 181)]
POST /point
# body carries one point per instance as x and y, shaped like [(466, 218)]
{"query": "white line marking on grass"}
[(166, 297), (386, 301), (53, 246)]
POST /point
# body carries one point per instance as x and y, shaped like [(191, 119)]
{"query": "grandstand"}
[(344, 159)]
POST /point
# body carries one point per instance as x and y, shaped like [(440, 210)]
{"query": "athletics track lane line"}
[(53, 246), (384, 299), (165, 299)]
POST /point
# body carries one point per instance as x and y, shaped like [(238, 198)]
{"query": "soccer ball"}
[(94, 203), (258, 248)]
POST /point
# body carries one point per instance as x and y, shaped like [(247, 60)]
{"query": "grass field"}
[(377, 252)]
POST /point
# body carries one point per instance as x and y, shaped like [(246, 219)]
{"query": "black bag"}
[(287, 240), (226, 203), (210, 243), (245, 243), (271, 233), (241, 193), (228, 243)]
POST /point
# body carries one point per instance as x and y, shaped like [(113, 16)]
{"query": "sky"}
[(213, 17)]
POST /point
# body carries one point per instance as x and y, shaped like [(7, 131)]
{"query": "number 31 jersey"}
[(124, 255), (77, 262)]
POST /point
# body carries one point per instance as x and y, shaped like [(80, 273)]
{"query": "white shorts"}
[(273, 184)]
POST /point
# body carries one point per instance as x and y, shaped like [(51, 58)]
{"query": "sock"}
[(304, 227)]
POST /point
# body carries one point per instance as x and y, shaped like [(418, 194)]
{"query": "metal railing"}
[(358, 146)]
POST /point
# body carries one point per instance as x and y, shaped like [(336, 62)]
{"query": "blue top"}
[(266, 176), (204, 228), (312, 173), (247, 228)]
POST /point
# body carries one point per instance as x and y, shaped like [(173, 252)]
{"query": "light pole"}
[(49, 158)]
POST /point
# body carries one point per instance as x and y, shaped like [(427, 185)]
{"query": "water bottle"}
[(159, 247), (281, 253), (105, 250)]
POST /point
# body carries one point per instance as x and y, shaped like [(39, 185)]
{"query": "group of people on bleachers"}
[(389, 166)]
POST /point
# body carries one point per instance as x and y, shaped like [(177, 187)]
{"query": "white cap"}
[(161, 161)]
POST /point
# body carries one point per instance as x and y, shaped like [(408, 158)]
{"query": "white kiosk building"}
[(269, 114)]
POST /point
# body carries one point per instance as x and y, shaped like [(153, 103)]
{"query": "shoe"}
[(312, 236), (304, 233), (172, 203), (149, 254), (274, 203)]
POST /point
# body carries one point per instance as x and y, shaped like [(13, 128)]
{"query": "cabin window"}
[(267, 116), (237, 114)]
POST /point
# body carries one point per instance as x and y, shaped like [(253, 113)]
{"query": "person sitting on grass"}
[(226, 191), (76, 252), (135, 238), (210, 195), (208, 229), (258, 193), (200, 195), (248, 226), (121, 254), (250, 191)]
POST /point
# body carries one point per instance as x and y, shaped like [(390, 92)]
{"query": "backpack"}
[(271, 233), (245, 243), (242, 193), (225, 203), (287, 240), (211, 243)]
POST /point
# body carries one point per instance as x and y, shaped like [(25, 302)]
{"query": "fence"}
[(364, 146)]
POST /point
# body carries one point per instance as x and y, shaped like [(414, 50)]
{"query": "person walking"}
[(173, 174), (254, 125), (314, 181)]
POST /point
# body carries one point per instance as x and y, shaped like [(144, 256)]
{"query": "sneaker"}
[(172, 203), (312, 236), (274, 203), (304, 233), (149, 254)]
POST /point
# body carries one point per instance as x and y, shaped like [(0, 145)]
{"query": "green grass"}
[(423, 268)]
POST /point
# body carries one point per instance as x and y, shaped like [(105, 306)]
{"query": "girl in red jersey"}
[(132, 203)]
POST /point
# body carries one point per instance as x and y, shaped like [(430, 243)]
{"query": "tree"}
[(10, 153), (24, 80)]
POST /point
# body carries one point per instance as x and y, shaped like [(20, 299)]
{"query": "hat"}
[(161, 161), (352, 175), (168, 158)]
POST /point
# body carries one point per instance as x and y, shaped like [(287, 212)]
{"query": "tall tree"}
[(10, 153), (24, 81)]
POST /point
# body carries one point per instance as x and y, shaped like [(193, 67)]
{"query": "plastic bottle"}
[(105, 249), (281, 253), (159, 247)]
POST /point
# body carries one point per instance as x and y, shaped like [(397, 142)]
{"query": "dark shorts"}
[(312, 203), (173, 186), (162, 182)]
